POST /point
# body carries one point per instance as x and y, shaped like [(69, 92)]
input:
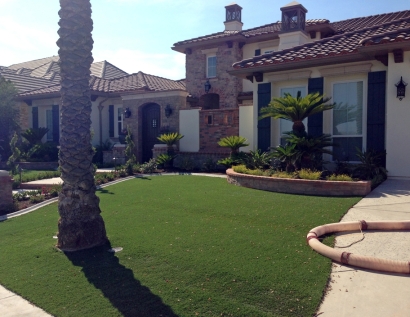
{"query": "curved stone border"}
[(299, 186)]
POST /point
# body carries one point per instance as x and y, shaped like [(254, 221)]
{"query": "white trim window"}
[(211, 66), (286, 125), (347, 120)]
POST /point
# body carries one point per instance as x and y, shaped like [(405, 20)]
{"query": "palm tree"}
[(80, 225), (295, 109)]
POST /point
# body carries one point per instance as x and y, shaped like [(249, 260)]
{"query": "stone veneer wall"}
[(227, 86), (225, 120), (6, 192), (24, 115), (299, 186), (224, 123), (135, 121), (197, 160)]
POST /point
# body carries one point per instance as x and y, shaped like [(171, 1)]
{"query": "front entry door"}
[(150, 130)]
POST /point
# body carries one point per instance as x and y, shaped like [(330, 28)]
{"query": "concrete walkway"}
[(352, 292), (358, 292)]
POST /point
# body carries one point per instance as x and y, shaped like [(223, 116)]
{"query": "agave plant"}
[(234, 142)]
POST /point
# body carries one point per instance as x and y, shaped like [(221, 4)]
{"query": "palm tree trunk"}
[(80, 225)]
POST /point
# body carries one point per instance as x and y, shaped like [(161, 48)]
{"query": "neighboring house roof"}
[(34, 64), (145, 82), (139, 82), (45, 72), (23, 82), (106, 70), (374, 30)]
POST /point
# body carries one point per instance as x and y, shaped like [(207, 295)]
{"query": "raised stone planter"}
[(300, 186)]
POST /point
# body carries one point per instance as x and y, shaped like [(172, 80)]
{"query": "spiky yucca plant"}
[(234, 142), (170, 138)]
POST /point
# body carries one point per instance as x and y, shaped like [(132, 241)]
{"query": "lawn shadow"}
[(117, 283), (104, 191)]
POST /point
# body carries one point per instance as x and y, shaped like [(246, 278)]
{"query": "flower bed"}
[(300, 186)]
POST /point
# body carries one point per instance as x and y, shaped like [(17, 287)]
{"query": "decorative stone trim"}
[(299, 186), (343, 70), (289, 76)]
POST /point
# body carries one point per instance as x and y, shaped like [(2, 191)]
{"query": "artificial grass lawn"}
[(193, 246)]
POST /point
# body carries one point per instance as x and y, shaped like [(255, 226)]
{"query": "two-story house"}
[(360, 62)]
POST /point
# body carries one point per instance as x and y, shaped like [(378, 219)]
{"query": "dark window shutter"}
[(264, 98), (34, 112), (56, 123), (258, 52), (315, 122), (376, 110), (111, 120)]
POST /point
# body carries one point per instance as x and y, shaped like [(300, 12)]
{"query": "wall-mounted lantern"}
[(207, 86), (401, 89), (168, 111), (127, 112)]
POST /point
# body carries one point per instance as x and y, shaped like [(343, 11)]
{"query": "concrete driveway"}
[(359, 292)]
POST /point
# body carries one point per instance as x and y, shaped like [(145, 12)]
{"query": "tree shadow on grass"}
[(117, 283), (104, 191)]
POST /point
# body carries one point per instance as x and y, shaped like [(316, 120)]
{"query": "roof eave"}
[(294, 65), (234, 37)]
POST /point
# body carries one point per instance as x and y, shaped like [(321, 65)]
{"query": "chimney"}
[(293, 26), (233, 17)]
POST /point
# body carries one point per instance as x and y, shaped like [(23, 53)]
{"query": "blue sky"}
[(137, 35)]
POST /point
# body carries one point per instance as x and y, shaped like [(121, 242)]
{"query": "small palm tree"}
[(234, 142), (170, 139), (296, 109)]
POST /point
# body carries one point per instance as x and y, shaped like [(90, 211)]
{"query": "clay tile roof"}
[(356, 24), (145, 82), (34, 64), (139, 82), (208, 37), (389, 37), (260, 30), (24, 83), (339, 44)]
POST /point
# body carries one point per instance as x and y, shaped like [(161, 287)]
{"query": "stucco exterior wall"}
[(398, 118), (246, 126), (189, 127)]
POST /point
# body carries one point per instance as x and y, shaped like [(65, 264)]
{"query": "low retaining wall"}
[(299, 186), (198, 159)]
